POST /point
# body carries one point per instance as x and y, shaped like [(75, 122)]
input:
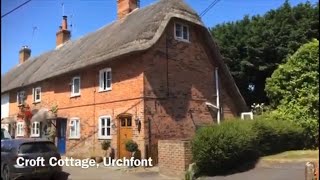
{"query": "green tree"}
[(294, 91), (254, 46), (294, 86)]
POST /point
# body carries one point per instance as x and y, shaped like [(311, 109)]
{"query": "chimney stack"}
[(24, 54), (126, 6), (63, 35)]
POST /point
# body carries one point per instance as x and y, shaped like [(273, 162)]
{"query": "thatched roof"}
[(137, 32)]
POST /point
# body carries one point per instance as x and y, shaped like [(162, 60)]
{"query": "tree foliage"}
[(296, 83), (294, 90), (254, 46)]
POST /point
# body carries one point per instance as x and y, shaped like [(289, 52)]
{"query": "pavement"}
[(268, 171), (111, 173)]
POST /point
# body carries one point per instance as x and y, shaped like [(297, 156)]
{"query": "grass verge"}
[(293, 156)]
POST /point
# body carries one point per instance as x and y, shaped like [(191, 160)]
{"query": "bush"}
[(276, 135), (224, 146), (311, 133), (220, 148), (309, 125)]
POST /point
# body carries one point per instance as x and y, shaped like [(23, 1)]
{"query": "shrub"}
[(224, 146), (220, 148), (309, 125), (276, 135)]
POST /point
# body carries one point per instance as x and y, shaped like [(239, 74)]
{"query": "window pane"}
[(185, 32), (123, 122), (108, 131), (108, 74), (178, 30), (104, 80), (108, 83), (78, 128), (101, 80), (108, 122), (76, 85), (103, 131), (129, 122), (103, 123)]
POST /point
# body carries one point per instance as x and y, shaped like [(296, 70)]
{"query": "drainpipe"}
[(217, 106), (218, 96)]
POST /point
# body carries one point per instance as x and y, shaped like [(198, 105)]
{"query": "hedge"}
[(219, 148)]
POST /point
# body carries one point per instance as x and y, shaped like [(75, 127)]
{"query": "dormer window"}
[(21, 96), (181, 32)]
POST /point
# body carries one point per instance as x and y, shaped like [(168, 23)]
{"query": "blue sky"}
[(89, 15)]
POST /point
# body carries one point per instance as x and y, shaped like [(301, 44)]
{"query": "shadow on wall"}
[(181, 76)]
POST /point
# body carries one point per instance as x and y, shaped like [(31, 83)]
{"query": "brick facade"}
[(179, 79), (166, 87), (174, 157)]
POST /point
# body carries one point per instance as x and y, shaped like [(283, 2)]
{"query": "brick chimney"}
[(126, 6), (24, 54), (63, 35)]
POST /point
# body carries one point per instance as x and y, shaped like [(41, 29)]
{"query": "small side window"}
[(181, 32), (75, 87), (21, 96), (37, 94), (74, 128), (35, 130), (20, 129)]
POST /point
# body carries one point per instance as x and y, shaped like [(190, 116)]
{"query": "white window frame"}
[(101, 81), (18, 97), (73, 94), (181, 38), (100, 136), (20, 129), (74, 122), (35, 95), (35, 129)]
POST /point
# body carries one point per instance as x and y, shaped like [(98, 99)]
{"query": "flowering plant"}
[(258, 109)]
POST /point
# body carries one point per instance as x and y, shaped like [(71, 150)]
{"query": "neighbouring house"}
[(149, 75)]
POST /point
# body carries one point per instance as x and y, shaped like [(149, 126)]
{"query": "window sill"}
[(36, 102), (75, 95), (101, 91), (74, 138), (34, 136), (183, 40), (104, 138)]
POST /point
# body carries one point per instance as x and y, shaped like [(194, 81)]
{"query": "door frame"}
[(122, 115), (58, 129)]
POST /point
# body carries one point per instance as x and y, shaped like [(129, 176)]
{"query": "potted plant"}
[(132, 147), (105, 145)]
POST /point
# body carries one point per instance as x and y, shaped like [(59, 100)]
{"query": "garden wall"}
[(174, 157)]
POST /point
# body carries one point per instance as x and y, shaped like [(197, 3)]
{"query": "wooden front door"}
[(125, 134)]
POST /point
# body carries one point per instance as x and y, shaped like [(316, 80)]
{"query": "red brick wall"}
[(179, 79), (174, 157), (126, 96)]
